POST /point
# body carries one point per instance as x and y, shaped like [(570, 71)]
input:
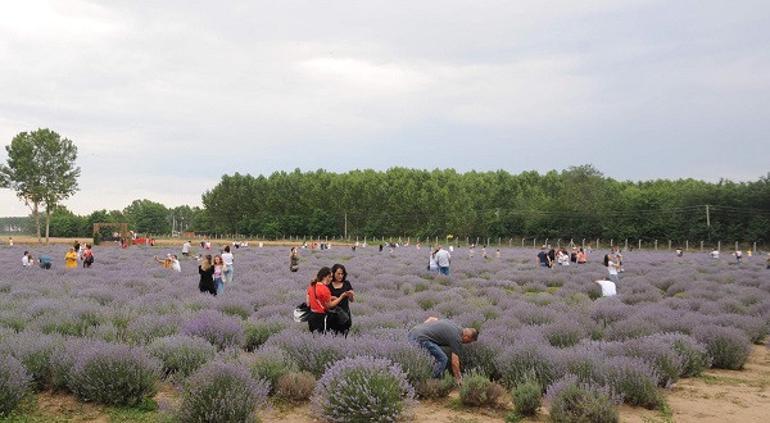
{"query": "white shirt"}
[(175, 265), (608, 288), (611, 268), (227, 258), (186, 248), (25, 261), (442, 258), (432, 263), (715, 254)]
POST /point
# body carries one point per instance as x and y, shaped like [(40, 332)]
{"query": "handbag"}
[(301, 313), (340, 314)]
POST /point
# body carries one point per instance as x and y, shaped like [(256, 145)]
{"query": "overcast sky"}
[(162, 98)]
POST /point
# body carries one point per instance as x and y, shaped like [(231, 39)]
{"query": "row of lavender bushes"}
[(109, 334)]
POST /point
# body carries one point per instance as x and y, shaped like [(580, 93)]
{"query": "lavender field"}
[(113, 333)]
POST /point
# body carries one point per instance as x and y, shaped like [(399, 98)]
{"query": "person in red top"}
[(320, 299)]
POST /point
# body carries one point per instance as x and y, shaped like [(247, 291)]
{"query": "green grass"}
[(30, 412)]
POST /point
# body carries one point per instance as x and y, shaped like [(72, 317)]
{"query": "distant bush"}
[(181, 355), (295, 386), (729, 348), (144, 329), (564, 333), (527, 398), (477, 390), (524, 361), (634, 380), (15, 382), (221, 330), (435, 388), (571, 401), (363, 389), (270, 363), (221, 392), (114, 374), (256, 333)]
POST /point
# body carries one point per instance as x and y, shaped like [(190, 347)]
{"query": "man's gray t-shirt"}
[(442, 332)]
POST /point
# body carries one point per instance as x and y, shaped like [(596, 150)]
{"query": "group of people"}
[(329, 296), (77, 252), (439, 260), (550, 257), (216, 272)]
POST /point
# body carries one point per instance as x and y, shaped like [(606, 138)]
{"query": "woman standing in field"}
[(206, 270), (293, 260), (88, 256), (341, 288), (71, 259), (220, 268), (613, 265), (320, 300), (227, 259)]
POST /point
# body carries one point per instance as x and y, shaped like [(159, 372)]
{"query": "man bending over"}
[(436, 333)]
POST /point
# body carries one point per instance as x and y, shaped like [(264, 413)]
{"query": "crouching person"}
[(436, 333)]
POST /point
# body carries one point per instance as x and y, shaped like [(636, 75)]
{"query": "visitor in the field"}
[(443, 259), (738, 256), (432, 263), (609, 288), (582, 256), (543, 258), (228, 259), (294, 260), (10, 241), (186, 248), (497, 253), (714, 254), (88, 256), (613, 266), (44, 262), (219, 272), (562, 258), (170, 262), (436, 333), (71, 259), (206, 272), (339, 286), (27, 260), (679, 252), (320, 300)]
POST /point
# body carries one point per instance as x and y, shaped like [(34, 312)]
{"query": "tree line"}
[(579, 202)]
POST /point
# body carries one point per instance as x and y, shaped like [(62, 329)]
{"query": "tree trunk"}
[(47, 223), (36, 213)]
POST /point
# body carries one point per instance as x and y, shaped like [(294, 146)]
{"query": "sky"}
[(163, 98)]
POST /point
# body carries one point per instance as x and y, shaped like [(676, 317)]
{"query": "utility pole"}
[(708, 217)]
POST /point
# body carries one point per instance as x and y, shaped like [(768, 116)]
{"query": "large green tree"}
[(41, 169)]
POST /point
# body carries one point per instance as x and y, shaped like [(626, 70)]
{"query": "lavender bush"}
[(15, 382), (221, 330), (572, 401), (114, 374), (728, 347), (363, 389), (181, 355), (222, 392)]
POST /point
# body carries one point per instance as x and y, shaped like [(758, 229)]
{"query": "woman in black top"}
[(206, 270), (339, 285)]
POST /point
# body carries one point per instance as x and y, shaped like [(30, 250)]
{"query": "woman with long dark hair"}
[(341, 288), (320, 300), (206, 270)]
